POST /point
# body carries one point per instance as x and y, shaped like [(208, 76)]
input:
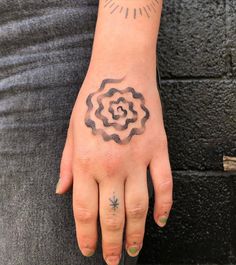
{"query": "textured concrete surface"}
[(201, 227), (200, 118), (231, 21), (192, 39)]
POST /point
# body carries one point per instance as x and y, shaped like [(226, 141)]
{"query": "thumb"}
[(66, 177)]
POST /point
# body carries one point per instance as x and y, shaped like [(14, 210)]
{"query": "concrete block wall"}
[(197, 63)]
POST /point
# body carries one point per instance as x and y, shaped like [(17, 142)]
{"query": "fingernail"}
[(133, 251), (162, 220), (58, 186), (88, 252), (113, 260)]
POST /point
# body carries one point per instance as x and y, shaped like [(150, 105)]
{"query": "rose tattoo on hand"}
[(116, 114)]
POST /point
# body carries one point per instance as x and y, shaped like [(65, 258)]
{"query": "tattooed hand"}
[(116, 131)]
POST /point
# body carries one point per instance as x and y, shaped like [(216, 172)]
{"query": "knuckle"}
[(113, 224), (85, 240), (168, 204), (83, 215), (165, 206), (112, 166), (166, 186), (82, 162), (111, 161), (137, 212), (111, 248), (135, 237), (111, 245)]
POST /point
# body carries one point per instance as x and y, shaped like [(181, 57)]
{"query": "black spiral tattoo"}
[(124, 117)]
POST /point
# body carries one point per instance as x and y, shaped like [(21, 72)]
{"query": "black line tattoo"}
[(107, 3), (150, 7), (112, 5), (153, 9), (145, 10), (114, 9), (116, 114), (153, 6), (135, 13), (127, 12), (140, 10)]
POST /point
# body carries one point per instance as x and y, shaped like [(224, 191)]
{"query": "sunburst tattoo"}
[(134, 10), (114, 202)]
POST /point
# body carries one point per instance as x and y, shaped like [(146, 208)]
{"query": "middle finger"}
[(112, 218)]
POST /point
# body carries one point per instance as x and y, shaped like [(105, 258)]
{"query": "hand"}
[(116, 130)]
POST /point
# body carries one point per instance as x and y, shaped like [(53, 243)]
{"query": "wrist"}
[(120, 42), (124, 66), (123, 58)]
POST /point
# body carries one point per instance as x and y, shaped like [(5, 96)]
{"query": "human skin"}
[(106, 162)]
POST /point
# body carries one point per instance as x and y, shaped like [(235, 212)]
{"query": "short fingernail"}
[(58, 186), (88, 252), (162, 220), (113, 260), (133, 251)]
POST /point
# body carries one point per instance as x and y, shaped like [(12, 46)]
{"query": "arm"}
[(116, 130), (126, 35)]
